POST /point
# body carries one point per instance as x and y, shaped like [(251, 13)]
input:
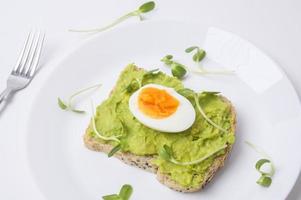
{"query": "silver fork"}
[(26, 65)]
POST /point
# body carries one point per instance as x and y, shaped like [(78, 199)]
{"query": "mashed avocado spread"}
[(113, 118)]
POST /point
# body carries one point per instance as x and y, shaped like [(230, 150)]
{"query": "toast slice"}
[(145, 162)]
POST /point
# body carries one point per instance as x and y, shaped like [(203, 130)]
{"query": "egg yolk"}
[(157, 103)]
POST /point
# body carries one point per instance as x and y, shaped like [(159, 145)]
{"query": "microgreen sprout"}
[(114, 150), (69, 104), (197, 102), (177, 69), (198, 56), (106, 138), (110, 138), (166, 154), (262, 162), (124, 194), (265, 179), (144, 8)]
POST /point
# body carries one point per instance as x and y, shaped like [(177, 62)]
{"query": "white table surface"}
[(272, 25)]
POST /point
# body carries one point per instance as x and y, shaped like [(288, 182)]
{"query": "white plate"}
[(267, 106)]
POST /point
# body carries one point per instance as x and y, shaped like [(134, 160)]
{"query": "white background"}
[(272, 25)]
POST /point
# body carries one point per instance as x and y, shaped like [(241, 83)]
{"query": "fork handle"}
[(5, 94)]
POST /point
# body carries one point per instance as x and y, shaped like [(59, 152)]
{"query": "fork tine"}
[(25, 57), (18, 64), (37, 57), (31, 55)]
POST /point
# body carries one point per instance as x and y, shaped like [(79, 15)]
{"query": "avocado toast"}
[(140, 146)]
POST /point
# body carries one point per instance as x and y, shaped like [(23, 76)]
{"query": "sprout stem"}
[(81, 91), (205, 116), (199, 160), (117, 21), (111, 138)]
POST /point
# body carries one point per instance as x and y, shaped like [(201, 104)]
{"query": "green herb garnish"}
[(196, 99), (260, 163), (61, 104), (114, 150), (111, 138), (112, 197), (69, 104), (166, 154), (124, 194), (198, 55), (265, 179), (144, 8), (177, 69)]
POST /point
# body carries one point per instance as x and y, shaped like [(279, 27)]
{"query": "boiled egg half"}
[(162, 108)]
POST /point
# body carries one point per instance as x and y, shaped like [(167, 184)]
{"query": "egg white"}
[(180, 120)]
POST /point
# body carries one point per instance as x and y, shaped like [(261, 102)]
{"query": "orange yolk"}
[(157, 103)]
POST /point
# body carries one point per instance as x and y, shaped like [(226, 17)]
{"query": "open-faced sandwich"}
[(151, 121)]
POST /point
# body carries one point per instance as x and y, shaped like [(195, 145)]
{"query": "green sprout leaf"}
[(178, 70), (167, 60), (168, 57), (69, 106), (114, 150), (262, 162), (165, 153), (126, 192), (264, 181), (61, 104), (112, 197), (78, 111), (144, 8), (266, 177), (198, 55), (190, 49)]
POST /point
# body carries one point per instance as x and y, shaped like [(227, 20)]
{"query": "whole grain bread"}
[(145, 162)]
